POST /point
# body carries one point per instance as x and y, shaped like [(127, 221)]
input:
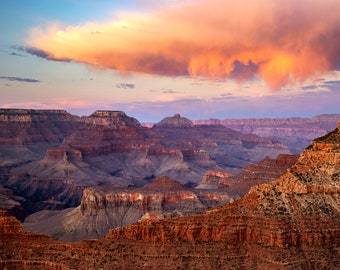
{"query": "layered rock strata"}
[(104, 208), (301, 208), (48, 159), (293, 132), (290, 223), (237, 185), (24, 127)]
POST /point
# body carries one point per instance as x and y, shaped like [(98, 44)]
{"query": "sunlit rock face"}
[(103, 208)]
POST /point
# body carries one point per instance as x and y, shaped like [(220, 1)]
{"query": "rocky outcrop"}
[(111, 119), (215, 179), (63, 155), (9, 224), (12, 203), (176, 121), (20, 250), (237, 185), (104, 208), (105, 132), (266, 170), (164, 195), (23, 127)]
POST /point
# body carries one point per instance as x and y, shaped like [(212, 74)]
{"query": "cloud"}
[(39, 53), (168, 91), (282, 42), (333, 85), (16, 54), (309, 87), (334, 82), (125, 85), (70, 104), (19, 79), (30, 105)]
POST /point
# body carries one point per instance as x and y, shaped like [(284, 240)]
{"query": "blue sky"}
[(153, 59)]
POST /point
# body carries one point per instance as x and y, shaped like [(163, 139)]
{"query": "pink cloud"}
[(286, 41)]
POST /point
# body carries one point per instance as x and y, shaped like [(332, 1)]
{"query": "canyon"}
[(103, 207), (74, 178), (49, 157), (292, 222)]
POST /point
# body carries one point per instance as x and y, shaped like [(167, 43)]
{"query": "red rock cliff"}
[(300, 208)]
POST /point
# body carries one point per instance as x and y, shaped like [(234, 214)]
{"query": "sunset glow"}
[(276, 37), (279, 44)]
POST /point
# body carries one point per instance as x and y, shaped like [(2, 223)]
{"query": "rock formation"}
[(176, 121), (237, 185), (300, 209), (290, 223), (293, 132), (26, 127), (48, 157), (52, 160), (13, 203), (227, 147), (103, 208), (264, 171)]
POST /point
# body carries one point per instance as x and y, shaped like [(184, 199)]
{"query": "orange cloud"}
[(282, 41)]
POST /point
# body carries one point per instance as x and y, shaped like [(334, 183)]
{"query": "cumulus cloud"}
[(283, 41), (19, 79)]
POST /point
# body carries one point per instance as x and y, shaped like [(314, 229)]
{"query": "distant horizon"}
[(170, 115)]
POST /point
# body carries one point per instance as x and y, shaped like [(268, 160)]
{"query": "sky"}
[(153, 59)]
